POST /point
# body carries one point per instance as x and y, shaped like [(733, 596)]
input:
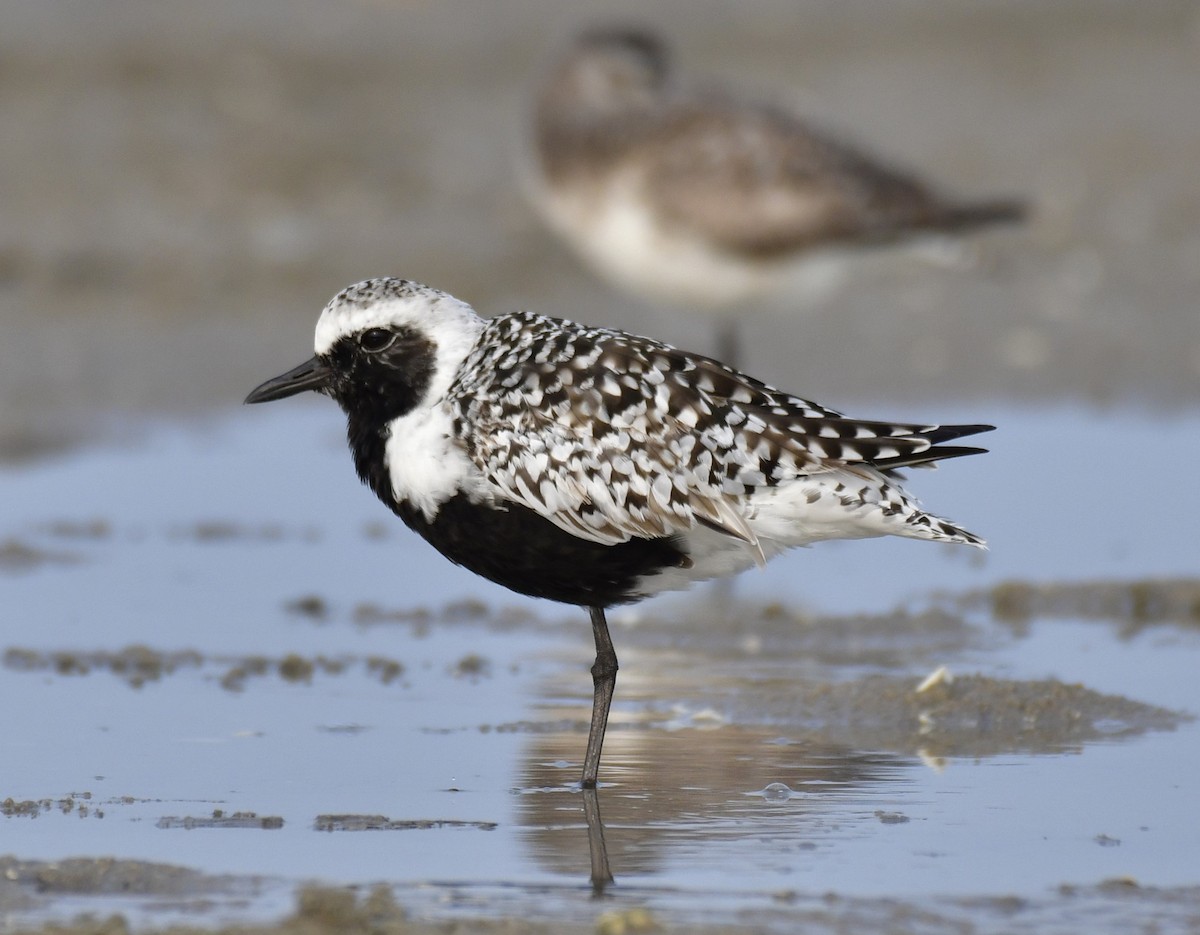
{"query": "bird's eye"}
[(374, 340)]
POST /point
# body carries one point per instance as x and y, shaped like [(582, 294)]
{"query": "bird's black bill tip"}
[(310, 375)]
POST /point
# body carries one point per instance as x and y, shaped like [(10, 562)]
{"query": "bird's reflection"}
[(601, 871), (680, 790)]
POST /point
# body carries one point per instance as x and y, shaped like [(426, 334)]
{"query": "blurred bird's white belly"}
[(617, 232)]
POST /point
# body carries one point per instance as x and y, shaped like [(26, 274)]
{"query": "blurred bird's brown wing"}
[(759, 182)]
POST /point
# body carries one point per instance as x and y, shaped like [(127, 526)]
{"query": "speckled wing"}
[(757, 181), (590, 428), (611, 436)]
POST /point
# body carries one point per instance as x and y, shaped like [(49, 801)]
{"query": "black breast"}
[(519, 549), (514, 547)]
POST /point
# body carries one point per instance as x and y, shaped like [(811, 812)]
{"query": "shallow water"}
[(337, 666)]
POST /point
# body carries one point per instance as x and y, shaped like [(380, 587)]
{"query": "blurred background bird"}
[(692, 196)]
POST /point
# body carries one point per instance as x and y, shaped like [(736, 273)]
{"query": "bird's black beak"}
[(310, 375)]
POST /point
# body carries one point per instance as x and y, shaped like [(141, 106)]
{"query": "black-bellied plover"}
[(595, 467), (692, 196)]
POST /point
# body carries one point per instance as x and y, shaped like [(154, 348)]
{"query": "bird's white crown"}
[(388, 302), (449, 323)]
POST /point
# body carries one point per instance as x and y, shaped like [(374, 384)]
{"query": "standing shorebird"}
[(687, 195), (595, 467)]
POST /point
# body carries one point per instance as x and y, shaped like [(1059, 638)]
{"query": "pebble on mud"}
[(17, 556), (295, 668), (312, 606), (471, 666)]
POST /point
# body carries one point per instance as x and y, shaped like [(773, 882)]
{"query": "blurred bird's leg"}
[(729, 342)]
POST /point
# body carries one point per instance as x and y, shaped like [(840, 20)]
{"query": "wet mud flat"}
[(715, 742), (376, 910)]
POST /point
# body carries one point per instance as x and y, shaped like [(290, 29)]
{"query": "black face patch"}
[(373, 387), (381, 373)]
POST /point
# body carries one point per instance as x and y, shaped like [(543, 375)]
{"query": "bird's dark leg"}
[(729, 341), (604, 680)]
